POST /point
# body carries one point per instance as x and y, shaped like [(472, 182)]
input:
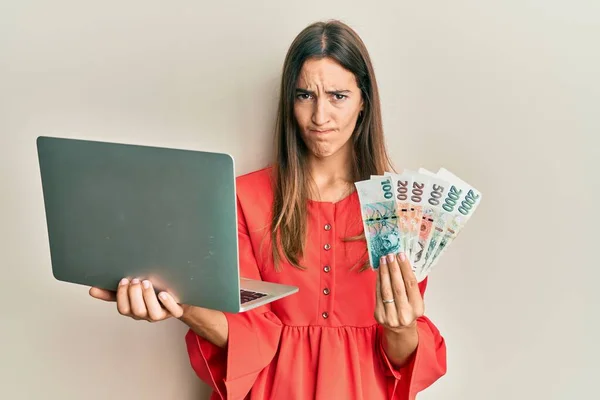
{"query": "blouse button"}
[(325, 315), (326, 269), (327, 227), (327, 246), (326, 291)]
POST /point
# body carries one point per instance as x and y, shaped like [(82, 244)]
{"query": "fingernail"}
[(390, 257), (124, 281), (162, 295), (135, 281), (146, 284), (402, 257), (383, 260)]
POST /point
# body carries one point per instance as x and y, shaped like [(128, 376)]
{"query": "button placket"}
[(327, 260)]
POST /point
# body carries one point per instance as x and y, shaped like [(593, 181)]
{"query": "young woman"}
[(350, 332)]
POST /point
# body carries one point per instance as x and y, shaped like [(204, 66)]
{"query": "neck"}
[(332, 175)]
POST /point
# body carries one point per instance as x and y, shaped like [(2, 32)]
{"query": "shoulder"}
[(251, 183), (255, 189)]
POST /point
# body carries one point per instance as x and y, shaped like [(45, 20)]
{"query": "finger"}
[(379, 309), (387, 293), (136, 300), (155, 311), (123, 298), (397, 280), (102, 294), (170, 304), (410, 283)]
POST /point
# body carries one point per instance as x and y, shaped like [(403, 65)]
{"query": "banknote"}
[(464, 210), (417, 199), (432, 214), (402, 184), (380, 218), (453, 194)]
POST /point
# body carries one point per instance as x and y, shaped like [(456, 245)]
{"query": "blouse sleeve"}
[(252, 343), (427, 364)]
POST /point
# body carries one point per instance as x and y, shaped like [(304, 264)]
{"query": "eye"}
[(303, 96), (338, 96)]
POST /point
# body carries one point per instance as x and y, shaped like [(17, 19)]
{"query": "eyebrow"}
[(328, 92)]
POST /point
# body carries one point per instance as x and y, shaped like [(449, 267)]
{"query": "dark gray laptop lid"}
[(119, 210)]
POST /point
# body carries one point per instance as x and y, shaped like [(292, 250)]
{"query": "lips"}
[(320, 131)]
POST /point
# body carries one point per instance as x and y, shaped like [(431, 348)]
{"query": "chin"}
[(325, 147), (323, 150), (322, 154)]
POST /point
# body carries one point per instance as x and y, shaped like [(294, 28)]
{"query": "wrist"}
[(209, 324), (194, 317), (400, 344), (185, 315), (408, 330)]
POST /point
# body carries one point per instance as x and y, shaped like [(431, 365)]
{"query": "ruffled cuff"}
[(252, 343), (426, 365)]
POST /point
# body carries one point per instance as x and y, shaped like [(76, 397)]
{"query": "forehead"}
[(326, 73)]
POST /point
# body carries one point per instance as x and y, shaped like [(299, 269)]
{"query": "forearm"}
[(209, 324), (399, 345)]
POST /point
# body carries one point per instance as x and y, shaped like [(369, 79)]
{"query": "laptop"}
[(168, 215)]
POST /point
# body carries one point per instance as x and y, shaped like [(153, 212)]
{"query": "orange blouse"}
[(322, 342)]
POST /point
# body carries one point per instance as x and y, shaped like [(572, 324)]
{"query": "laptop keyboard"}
[(247, 295)]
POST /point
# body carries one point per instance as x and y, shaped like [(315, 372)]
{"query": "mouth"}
[(320, 131)]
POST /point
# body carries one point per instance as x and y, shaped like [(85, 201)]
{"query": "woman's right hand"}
[(138, 300)]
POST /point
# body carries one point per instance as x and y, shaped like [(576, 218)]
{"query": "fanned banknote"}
[(445, 222), (419, 213), (380, 218), (435, 190), (402, 184), (464, 210), (416, 197)]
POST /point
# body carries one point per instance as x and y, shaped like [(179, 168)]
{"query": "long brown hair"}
[(291, 184)]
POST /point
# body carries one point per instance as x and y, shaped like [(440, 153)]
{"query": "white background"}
[(505, 94)]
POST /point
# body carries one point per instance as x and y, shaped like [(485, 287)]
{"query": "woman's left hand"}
[(399, 301)]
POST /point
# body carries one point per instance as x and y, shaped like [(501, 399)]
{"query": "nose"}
[(320, 114)]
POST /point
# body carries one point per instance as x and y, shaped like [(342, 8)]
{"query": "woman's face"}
[(326, 106)]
